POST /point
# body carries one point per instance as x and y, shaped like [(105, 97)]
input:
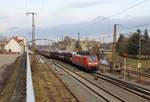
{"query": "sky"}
[(56, 12)]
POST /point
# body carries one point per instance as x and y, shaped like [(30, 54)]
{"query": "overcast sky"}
[(55, 12)]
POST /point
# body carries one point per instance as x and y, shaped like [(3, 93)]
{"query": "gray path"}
[(7, 59)]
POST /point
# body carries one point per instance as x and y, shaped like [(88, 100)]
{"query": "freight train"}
[(87, 62)]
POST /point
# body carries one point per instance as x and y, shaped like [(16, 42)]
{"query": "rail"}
[(135, 89), (132, 71), (30, 92), (104, 94)]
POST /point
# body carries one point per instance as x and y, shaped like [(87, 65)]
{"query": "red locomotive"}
[(88, 62)]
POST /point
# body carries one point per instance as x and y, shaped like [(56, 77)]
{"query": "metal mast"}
[(33, 32)]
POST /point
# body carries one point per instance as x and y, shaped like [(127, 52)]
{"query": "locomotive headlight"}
[(89, 63), (96, 63)]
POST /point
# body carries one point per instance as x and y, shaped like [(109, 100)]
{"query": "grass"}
[(131, 62), (48, 87), (134, 62)]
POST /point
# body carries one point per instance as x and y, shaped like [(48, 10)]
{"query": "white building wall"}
[(13, 45)]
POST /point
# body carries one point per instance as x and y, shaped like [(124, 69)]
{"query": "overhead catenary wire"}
[(124, 29), (137, 26), (125, 32), (109, 35), (145, 25), (120, 12), (142, 27), (126, 9), (116, 14)]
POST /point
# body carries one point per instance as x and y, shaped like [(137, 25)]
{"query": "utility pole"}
[(33, 33), (102, 47), (79, 39), (125, 67), (139, 63), (78, 42), (62, 38), (114, 46), (140, 46)]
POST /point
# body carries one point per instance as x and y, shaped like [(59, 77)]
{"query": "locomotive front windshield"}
[(92, 58)]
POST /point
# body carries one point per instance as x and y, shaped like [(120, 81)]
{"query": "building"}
[(14, 45), (1, 46), (2, 43)]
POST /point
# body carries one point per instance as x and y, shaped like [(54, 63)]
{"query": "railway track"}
[(134, 89), (99, 91), (137, 90), (138, 73), (19, 92)]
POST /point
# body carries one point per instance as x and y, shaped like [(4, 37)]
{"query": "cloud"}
[(87, 4), (3, 17), (12, 28), (92, 29)]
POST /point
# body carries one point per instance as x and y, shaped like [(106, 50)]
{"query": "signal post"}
[(125, 65)]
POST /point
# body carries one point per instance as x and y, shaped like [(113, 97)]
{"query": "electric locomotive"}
[(88, 62)]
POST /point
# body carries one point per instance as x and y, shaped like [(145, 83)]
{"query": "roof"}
[(20, 42)]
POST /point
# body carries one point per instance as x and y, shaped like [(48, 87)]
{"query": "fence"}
[(30, 91)]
